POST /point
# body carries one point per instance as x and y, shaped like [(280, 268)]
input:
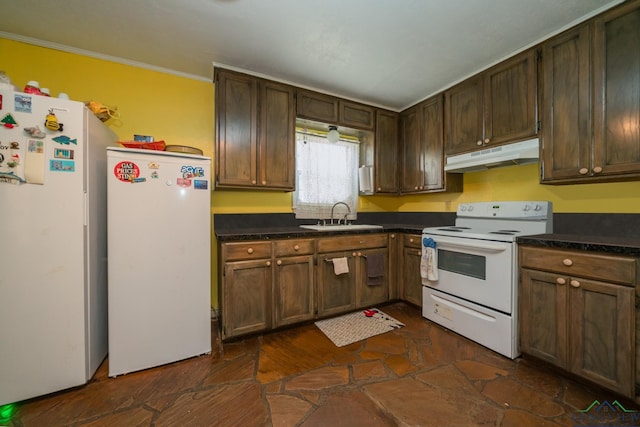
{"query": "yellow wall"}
[(179, 110)]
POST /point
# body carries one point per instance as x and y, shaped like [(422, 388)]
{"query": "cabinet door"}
[(510, 103), (386, 152), (432, 144), (369, 294), (616, 80), (543, 316), (356, 115), (336, 293), (317, 106), (236, 129), (246, 297), (294, 290), (411, 174), (276, 149), (602, 333), (464, 116), (411, 280), (566, 110)]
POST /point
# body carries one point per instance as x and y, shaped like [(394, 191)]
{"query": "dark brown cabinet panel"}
[(566, 109), (410, 279), (495, 107), (336, 292), (236, 129), (317, 106), (423, 150), (368, 294), (386, 152), (591, 108), (577, 311), (293, 289), (255, 132)]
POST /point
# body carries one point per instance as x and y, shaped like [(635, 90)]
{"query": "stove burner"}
[(508, 232), (455, 228)]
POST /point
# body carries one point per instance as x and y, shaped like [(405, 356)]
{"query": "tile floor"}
[(419, 375)]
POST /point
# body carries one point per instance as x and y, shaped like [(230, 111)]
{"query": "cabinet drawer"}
[(412, 240), (246, 250), (293, 247), (360, 241), (576, 263)]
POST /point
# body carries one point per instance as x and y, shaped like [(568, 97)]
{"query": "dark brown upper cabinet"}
[(423, 150), (496, 107), (386, 153), (334, 111), (592, 133), (255, 132)]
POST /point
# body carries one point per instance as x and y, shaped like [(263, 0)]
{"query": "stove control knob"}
[(463, 208), (526, 208), (537, 208)]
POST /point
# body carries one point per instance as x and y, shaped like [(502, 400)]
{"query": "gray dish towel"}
[(375, 269)]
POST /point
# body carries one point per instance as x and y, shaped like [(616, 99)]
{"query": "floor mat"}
[(357, 326)]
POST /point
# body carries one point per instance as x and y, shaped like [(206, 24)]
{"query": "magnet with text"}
[(200, 184), (64, 139), (126, 171), (52, 123), (63, 153), (8, 121), (191, 171), (22, 103)]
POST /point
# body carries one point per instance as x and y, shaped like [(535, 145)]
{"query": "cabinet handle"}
[(560, 281), (264, 182), (250, 250), (379, 189), (479, 142), (296, 248), (583, 171), (575, 283), (253, 182), (567, 262), (393, 236), (597, 169), (359, 253), (268, 263), (353, 254), (279, 262), (411, 240), (487, 140), (415, 188)]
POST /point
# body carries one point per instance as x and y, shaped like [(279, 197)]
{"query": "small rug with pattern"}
[(357, 326)]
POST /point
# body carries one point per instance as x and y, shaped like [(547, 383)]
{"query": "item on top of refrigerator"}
[(102, 111), (32, 87), (143, 138), (183, 149), (155, 145), (52, 123)]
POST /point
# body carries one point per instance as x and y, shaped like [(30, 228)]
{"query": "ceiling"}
[(388, 53)]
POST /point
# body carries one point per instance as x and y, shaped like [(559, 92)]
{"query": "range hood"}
[(518, 153)]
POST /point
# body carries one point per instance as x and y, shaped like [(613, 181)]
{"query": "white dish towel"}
[(429, 260), (340, 266)]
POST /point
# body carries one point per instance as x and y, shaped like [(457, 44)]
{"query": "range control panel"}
[(508, 210)]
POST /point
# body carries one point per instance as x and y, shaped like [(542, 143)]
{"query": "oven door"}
[(480, 271)]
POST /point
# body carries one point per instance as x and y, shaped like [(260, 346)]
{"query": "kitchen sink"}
[(341, 227)]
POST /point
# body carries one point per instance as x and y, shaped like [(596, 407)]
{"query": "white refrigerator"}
[(159, 234), (53, 247)]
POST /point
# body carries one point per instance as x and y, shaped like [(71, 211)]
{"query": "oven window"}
[(461, 263)]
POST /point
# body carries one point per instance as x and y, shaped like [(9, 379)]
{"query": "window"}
[(326, 173)]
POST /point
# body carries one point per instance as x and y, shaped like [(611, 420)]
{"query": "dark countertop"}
[(607, 244), (267, 233)]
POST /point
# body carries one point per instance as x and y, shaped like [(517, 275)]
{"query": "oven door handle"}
[(473, 244)]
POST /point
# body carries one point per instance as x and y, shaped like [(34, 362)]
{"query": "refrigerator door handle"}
[(85, 206)]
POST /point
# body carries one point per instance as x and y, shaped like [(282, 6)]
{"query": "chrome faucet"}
[(347, 214)]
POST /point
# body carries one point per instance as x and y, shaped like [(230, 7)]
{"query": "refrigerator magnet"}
[(8, 121), (183, 182), (126, 171), (63, 153), (200, 184), (52, 123), (35, 132), (22, 103), (65, 140), (191, 171), (62, 166), (154, 175)]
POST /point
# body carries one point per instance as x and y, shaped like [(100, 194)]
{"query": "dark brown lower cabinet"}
[(293, 290), (582, 325), (410, 281)]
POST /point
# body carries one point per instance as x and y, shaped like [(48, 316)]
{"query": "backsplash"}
[(612, 225)]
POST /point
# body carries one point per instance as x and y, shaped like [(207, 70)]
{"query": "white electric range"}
[(470, 270)]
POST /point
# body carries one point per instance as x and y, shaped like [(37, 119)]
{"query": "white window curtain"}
[(326, 173)]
